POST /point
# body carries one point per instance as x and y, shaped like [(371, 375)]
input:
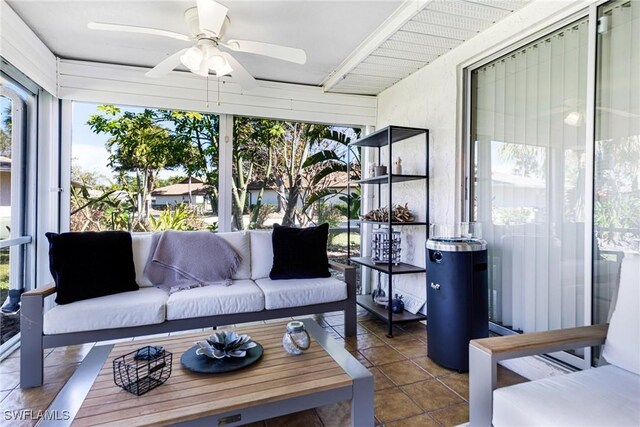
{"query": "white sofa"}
[(608, 395), (149, 310)]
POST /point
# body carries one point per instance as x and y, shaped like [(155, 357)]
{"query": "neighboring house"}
[(189, 190), (338, 182)]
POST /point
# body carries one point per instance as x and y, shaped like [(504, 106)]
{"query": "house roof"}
[(5, 163), (197, 188)]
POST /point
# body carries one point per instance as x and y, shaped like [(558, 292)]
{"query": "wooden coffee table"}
[(277, 384)]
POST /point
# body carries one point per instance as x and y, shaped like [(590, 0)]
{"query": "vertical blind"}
[(617, 149), (528, 130)]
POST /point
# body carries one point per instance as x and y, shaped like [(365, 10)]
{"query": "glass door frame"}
[(24, 174), (468, 156)]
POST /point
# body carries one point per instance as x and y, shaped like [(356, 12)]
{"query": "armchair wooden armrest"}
[(485, 353), (43, 291), (528, 344)]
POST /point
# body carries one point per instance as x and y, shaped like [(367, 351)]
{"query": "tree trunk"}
[(289, 218), (255, 213)]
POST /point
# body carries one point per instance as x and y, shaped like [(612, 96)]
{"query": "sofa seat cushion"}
[(145, 306), (299, 292), (604, 396), (242, 296)]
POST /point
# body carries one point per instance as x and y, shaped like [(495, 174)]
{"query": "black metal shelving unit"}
[(382, 138)]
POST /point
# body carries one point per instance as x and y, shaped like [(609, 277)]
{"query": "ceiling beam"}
[(401, 16)]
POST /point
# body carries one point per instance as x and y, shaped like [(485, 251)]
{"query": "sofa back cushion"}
[(622, 347), (141, 243), (241, 244), (261, 254), (88, 265)]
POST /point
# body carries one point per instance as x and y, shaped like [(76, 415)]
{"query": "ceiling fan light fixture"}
[(192, 58), (223, 71)]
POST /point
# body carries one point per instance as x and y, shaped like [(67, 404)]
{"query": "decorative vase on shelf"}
[(397, 166)]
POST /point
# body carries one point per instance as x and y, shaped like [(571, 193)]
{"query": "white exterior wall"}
[(173, 200), (433, 98)]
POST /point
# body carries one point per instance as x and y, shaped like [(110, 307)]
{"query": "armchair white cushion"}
[(603, 396)]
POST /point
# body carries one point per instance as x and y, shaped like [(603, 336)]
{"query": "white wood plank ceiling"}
[(412, 38)]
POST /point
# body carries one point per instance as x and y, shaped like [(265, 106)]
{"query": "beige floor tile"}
[(67, 355), (9, 381), (38, 398), (380, 380), (422, 420), (336, 415), (363, 360), (359, 330), (452, 416), (393, 404), (362, 341), (59, 373), (11, 364), (404, 372), (431, 395), (411, 348), (458, 383), (334, 320), (298, 419), (432, 367), (381, 355), (4, 394)]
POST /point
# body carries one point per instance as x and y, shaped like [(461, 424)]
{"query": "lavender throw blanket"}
[(186, 259)]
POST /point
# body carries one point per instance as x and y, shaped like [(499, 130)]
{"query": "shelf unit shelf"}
[(366, 301), (401, 268), (387, 137)]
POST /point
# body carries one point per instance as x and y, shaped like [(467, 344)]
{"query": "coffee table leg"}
[(362, 403)]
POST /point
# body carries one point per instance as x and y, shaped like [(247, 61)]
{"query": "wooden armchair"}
[(607, 395)]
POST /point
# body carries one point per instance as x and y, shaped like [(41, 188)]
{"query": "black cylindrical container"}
[(457, 299)]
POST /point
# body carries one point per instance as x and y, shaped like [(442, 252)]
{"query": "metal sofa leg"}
[(350, 313), (31, 347)]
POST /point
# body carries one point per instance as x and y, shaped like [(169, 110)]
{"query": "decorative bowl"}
[(225, 344)]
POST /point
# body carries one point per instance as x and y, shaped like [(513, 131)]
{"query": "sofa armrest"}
[(42, 291), (532, 343)]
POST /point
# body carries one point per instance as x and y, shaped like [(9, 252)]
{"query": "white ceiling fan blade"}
[(211, 15), (140, 30), (240, 74), (166, 65), (290, 54)]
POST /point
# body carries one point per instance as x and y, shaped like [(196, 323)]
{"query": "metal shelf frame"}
[(382, 138)]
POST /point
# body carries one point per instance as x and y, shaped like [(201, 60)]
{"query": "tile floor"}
[(410, 389)]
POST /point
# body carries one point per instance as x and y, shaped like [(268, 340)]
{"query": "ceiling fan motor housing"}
[(193, 23)]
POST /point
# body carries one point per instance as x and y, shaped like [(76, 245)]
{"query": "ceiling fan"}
[(207, 23)]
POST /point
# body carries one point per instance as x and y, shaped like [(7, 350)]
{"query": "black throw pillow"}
[(300, 253), (91, 264)]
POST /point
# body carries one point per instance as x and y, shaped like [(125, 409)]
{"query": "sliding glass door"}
[(529, 143), (617, 149), (547, 161)]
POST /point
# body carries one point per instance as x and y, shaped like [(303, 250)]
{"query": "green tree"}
[(137, 145), (195, 138), (253, 156)]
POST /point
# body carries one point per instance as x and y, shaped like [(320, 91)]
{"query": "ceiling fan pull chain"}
[(218, 91)]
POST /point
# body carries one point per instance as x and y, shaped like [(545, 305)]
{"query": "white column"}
[(367, 203), (224, 172)]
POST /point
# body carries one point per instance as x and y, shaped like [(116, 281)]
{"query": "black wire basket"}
[(142, 370)]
